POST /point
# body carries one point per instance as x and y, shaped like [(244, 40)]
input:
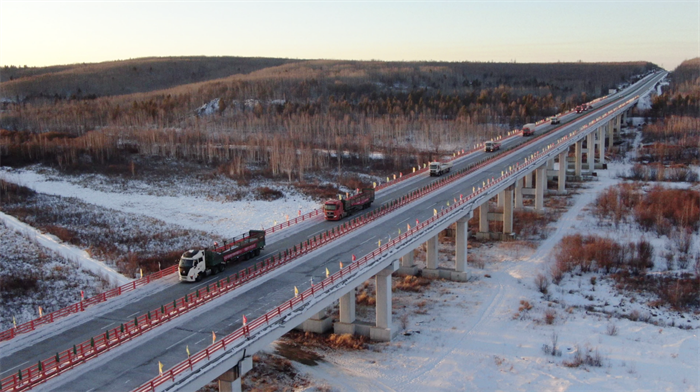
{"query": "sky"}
[(41, 33)]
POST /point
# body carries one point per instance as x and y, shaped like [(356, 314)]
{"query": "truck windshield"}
[(330, 207), (186, 262), (434, 165)]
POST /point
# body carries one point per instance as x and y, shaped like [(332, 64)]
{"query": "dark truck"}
[(196, 264), (338, 209)]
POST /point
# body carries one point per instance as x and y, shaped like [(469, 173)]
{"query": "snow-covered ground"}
[(183, 204), (38, 272), (489, 334)]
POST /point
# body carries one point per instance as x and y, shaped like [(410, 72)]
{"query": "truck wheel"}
[(198, 278), (257, 252)]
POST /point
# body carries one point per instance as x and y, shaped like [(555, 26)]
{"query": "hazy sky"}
[(61, 32)]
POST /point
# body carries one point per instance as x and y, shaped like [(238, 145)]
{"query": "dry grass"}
[(333, 341), (411, 284)]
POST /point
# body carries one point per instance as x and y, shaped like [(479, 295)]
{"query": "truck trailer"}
[(440, 168), (339, 209), (197, 264)]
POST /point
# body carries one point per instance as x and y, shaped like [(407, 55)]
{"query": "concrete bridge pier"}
[(611, 137), (508, 212), (346, 311), (540, 188), (230, 381), (382, 330), (550, 169), (321, 322), (519, 194), (578, 158), (561, 178), (601, 144), (590, 152), (408, 265), (459, 273)]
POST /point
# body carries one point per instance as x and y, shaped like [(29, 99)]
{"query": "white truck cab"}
[(196, 264)]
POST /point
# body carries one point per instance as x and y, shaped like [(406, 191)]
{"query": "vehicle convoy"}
[(338, 209), (529, 129), (555, 120), (197, 264), (440, 168), (491, 146)]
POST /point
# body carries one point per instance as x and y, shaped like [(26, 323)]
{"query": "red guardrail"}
[(80, 306), (66, 360)]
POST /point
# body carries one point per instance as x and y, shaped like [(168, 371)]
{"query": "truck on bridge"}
[(491, 146), (339, 209), (529, 129), (439, 168), (197, 264)]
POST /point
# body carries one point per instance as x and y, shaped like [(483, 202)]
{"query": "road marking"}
[(199, 340), (133, 314), (366, 241), (107, 325), (127, 381), (176, 343), (16, 366)]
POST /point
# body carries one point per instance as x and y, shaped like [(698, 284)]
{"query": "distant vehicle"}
[(439, 168), (339, 209), (197, 264), (579, 109), (491, 146), (529, 129), (555, 120)]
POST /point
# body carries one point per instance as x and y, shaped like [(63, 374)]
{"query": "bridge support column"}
[(519, 193), (483, 221), (408, 266), (318, 323), (539, 188), (231, 380), (431, 253), (459, 273), (590, 152), (347, 314), (508, 211), (528, 180), (578, 158), (499, 202), (461, 238), (601, 145), (561, 178), (611, 137), (382, 331)]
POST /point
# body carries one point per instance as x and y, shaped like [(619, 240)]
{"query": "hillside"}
[(407, 111), (123, 77)]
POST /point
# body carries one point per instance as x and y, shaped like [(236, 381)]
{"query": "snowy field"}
[(33, 276), (491, 333), (192, 204)]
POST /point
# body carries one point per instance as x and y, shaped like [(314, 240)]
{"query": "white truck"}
[(196, 264), (491, 146), (440, 168)]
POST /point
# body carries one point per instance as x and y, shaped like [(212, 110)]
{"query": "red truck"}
[(338, 209)]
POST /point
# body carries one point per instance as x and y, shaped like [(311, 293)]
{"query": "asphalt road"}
[(134, 363)]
